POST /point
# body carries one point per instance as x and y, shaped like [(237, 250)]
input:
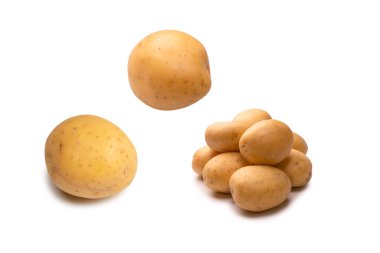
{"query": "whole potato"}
[(267, 142), (218, 171), (258, 188), (298, 168), (169, 70), (201, 157), (89, 157), (252, 116), (299, 143), (225, 136)]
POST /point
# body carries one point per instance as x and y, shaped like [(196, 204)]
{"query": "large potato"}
[(169, 70), (218, 171), (225, 136), (88, 156), (300, 143), (252, 116), (258, 188), (267, 142), (298, 168), (201, 157)]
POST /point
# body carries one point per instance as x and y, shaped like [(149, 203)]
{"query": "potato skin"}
[(201, 157), (225, 136), (89, 157), (298, 167), (299, 143), (252, 116), (169, 70), (267, 142), (218, 171), (259, 188)]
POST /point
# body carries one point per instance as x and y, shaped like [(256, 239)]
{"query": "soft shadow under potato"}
[(266, 213), (61, 195), (219, 195), (216, 195), (300, 189)]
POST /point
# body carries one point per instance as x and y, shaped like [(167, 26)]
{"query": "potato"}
[(201, 157), (252, 116), (169, 70), (89, 157), (298, 168), (299, 143), (225, 136), (258, 188), (267, 142), (217, 171)]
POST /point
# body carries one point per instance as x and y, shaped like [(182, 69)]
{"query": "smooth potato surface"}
[(252, 116), (225, 136), (299, 143), (88, 156), (218, 171), (201, 157), (298, 167), (259, 188), (266, 143), (169, 70)]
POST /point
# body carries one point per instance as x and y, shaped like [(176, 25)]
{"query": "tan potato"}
[(252, 116), (201, 157), (258, 188), (89, 157), (217, 171), (225, 136), (298, 168), (169, 70), (299, 143), (267, 142)]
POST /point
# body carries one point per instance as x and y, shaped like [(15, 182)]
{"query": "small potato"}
[(258, 188), (252, 116), (225, 136), (267, 142), (298, 168), (217, 171), (169, 70), (201, 157), (89, 157), (299, 143)]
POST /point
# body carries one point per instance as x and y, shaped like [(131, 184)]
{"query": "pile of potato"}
[(255, 158)]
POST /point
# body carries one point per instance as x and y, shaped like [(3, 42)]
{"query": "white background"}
[(312, 64)]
